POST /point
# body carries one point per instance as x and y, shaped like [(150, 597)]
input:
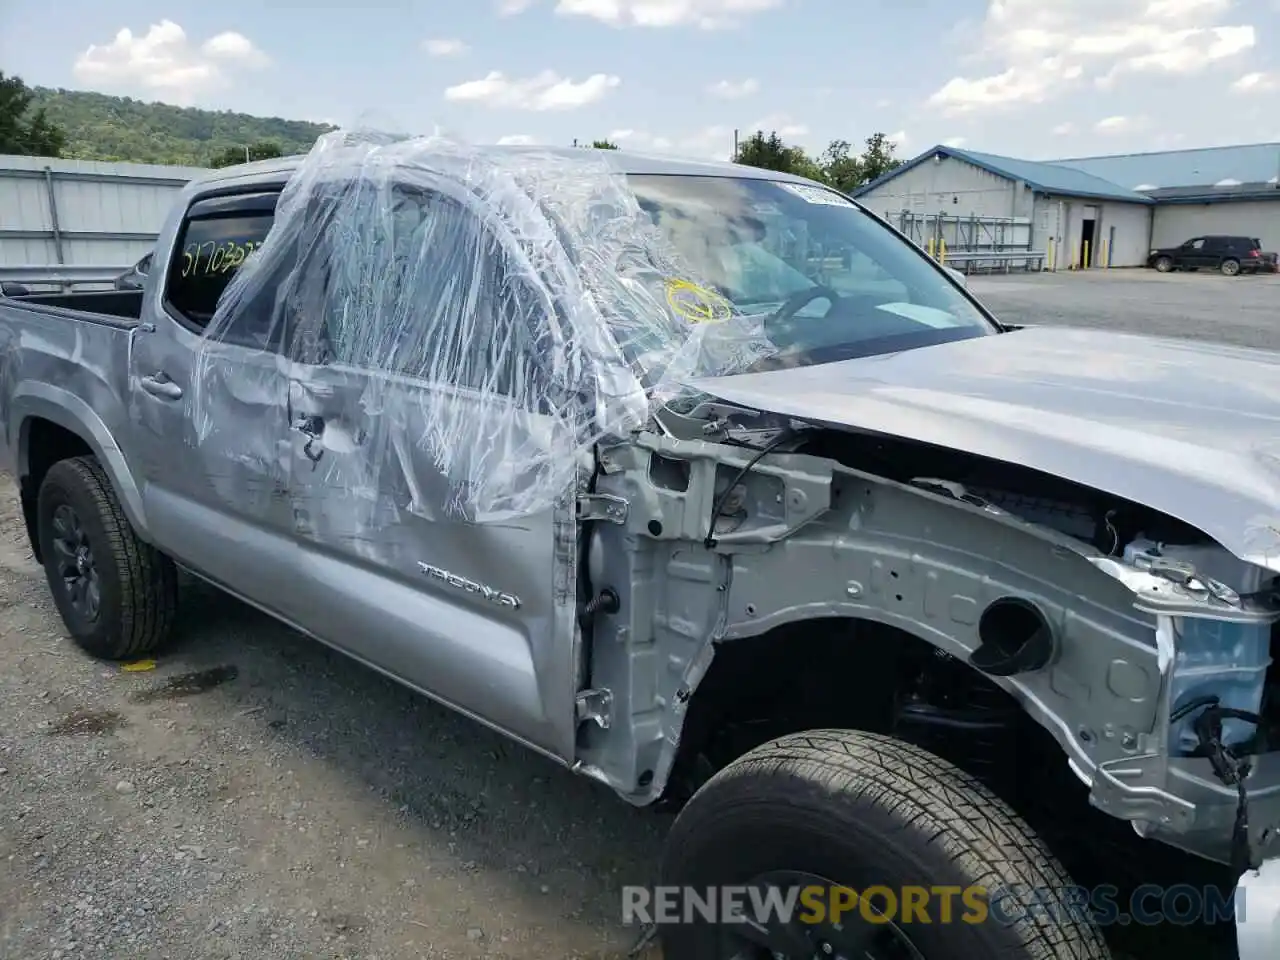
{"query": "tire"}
[(1164, 264), (862, 810), (137, 586), (1230, 267)]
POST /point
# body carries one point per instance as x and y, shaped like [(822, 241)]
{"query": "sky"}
[(1023, 78)]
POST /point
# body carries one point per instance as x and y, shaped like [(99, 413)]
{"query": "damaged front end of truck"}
[(1029, 542)]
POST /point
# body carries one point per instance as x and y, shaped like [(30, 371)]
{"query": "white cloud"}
[(517, 140), (1185, 51), (444, 47), (710, 143), (784, 125), (899, 139), (953, 142), (707, 14), (1113, 124), (1039, 51), (1257, 83), (734, 89), (164, 62), (545, 91), (1064, 129)]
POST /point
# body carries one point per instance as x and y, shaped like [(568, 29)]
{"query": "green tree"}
[(840, 168), (878, 158), (603, 145), (766, 151), (770, 152), (25, 131), (262, 150)]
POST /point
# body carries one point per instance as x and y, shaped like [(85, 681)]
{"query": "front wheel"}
[(117, 595), (1230, 268), (883, 851), (1164, 264)]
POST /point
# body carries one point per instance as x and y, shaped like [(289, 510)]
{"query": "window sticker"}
[(817, 195)]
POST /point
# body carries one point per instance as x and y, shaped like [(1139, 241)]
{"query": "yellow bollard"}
[(1049, 254), (1084, 262), (942, 250), (931, 246)]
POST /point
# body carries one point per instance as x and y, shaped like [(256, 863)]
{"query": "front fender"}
[(33, 399)]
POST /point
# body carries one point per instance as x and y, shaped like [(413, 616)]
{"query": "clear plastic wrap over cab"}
[(521, 292)]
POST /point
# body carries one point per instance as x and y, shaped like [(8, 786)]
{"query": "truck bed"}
[(65, 357), (109, 305)]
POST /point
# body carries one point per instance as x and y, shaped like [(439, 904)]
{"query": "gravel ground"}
[(256, 796), (1239, 310)]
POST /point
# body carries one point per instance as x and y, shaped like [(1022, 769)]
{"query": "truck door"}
[(210, 415), (405, 364)]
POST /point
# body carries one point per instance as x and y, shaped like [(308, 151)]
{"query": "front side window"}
[(830, 281), (408, 281)]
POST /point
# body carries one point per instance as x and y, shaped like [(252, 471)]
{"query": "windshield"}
[(830, 281)]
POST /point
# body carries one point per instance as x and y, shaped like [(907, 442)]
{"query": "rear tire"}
[(1230, 268), (117, 595), (1164, 264), (860, 810)]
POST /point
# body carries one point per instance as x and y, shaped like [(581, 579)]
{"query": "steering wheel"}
[(782, 317), (797, 302)]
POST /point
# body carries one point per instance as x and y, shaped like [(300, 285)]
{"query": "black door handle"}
[(311, 426)]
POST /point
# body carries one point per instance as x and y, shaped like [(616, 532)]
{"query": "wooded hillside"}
[(102, 127)]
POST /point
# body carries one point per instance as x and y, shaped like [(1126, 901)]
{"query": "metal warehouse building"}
[(1085, 211), (58, 215)]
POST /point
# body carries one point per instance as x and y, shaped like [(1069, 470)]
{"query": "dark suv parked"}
[(1231, 255)]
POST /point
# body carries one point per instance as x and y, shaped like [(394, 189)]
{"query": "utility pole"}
[(735, 144), (246, 154)]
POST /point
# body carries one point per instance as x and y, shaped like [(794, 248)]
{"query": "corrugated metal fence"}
[(89, 218)]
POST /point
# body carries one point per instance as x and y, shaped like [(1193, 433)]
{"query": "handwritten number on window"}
[(211, 259)]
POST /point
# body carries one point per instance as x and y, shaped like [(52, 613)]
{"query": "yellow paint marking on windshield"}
[(697, 304)]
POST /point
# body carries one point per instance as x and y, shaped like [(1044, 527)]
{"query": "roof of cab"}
[(622, 161)]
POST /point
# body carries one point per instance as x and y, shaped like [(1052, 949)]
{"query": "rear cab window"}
[(218, 234)]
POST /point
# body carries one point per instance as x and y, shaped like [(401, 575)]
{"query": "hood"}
[(1191, 429)]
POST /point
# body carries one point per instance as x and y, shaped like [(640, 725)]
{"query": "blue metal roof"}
[(1256, 163), (1040, 176)]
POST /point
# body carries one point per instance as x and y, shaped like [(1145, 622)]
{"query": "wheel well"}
[(836, 672), (44, 443), (863, 675)]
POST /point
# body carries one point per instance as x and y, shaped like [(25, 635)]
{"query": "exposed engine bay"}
[(1164, 693), (1105, 522), (1235, 666)]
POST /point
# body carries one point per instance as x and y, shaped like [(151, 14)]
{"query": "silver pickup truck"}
[(706, 483)]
